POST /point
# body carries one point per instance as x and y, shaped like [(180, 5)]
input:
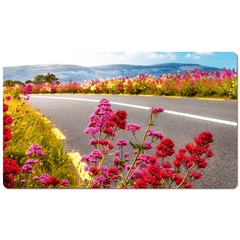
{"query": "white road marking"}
[(147, 108)]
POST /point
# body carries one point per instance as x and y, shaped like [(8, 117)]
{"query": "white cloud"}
[(188, 55), (206, 53), (196, 57)]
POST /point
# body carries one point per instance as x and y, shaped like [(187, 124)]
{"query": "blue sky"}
[(212, 59)]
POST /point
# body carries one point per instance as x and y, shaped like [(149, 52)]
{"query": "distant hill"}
[(79, 73)]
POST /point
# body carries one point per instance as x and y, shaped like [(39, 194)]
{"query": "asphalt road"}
[(71, 116)]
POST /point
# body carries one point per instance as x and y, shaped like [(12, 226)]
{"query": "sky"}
[(212, 59)]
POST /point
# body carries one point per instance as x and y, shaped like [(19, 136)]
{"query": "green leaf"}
[(129, 182), (134, 145), (100, 173), (120, 177)]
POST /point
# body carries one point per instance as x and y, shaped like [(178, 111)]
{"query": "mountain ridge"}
[(77, 73)]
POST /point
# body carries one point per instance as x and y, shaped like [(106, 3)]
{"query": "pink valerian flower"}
[(96, 154), (29, 161), (135, 152), (121, 142), (105, 149), (93, 157), (117, 153), (93, 142), (27, 90), (104, 169), (152, 133), (147, 145), (35, 148), (27, 168), (110, 132), (65, 183), (36, 161), (157, 110), (26, 111), (44, 177), (128, 167), (36, 178), (91, 131), (126, 154), (86, 168), (101, 114), (28, 153), (23, 181), (132, 127), (115, 160), (99, 179), (85, 158), (8, 98)]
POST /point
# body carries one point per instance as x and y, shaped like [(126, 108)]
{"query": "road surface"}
[(183, 119)]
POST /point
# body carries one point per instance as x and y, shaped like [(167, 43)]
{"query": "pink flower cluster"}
[(132, 127), (35, 148), (101, 114)]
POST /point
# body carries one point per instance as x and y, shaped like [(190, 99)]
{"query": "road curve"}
[(183, 119)]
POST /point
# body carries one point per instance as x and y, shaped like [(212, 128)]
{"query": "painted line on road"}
[(214, 99), (147, 108)]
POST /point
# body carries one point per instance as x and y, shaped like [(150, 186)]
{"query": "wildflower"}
[(96, 154), (126, 154), (121, 142), (36, 161), (95, 186), (52, 181), (110, 132), (36, 178), (91, 131), (112, 172), (165, 148), (157, 110), (147, 145), (135, 152), (27, 168), (93, 142), (26, 111), (23, 181), (153, 133), (117, 153), (29, 161), (133, 127), (8, 98), (94, 170), (65, 183), (44, 177), (5, 107), (86, 168), (140, 184)]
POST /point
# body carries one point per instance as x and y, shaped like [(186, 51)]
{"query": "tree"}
[(29, 81), (11, 83), (38, 79), (50, 78), (47, 78)]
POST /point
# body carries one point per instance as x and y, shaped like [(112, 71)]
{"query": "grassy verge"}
[(32, 129)]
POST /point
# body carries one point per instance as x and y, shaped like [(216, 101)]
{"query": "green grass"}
[(33, 129)]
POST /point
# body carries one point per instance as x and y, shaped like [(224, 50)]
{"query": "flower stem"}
[(145, 135), (186, 176)]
